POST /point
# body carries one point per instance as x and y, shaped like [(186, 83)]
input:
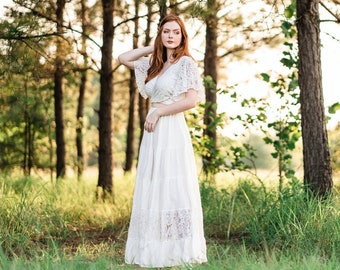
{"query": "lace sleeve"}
[(189, 78), (141, 69)]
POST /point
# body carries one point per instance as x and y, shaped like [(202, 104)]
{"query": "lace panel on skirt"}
[(164, 225)]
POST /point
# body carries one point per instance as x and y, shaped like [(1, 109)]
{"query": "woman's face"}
[(171, 35)]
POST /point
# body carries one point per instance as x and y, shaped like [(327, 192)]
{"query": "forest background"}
[(71, 124)]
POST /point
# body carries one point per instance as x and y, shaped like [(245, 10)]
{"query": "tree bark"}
[(162, 9), (144, 104), (58, 92), (81, 97), (105, 161), (316, 156), (80, 125), (130, 138), (210, 69), (28, 138)]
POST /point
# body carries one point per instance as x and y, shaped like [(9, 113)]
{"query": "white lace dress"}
[(166, 226)]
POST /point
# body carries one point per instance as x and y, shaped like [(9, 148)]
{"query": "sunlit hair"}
[(159, 56)]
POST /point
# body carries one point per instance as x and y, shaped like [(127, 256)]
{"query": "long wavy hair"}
[(159, 57)]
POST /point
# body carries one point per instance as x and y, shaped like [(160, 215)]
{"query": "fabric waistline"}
[(159, 104)]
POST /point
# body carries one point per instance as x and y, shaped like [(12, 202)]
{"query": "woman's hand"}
[(151, 121)]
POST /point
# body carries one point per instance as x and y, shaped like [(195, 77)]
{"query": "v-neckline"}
[(161, 74)]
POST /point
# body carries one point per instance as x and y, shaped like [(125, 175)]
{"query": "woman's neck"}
[(170, 56)]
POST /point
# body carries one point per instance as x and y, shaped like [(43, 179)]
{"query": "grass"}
[(247, 226)]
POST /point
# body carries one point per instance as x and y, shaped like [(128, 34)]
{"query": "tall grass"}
[(37, 216), (263, 220), (46, 225)]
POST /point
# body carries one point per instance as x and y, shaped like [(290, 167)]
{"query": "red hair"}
[(159, 56)]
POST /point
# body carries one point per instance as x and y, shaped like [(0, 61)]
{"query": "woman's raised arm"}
[(129, 57)]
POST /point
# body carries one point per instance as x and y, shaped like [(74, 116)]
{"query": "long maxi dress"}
[(166, 225)]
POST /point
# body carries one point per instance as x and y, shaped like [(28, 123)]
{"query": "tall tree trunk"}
[(80, 125), (58, 92), (210, 69), (31, 148), (144, 104), (316, 156), (26, 134), (162, 9), (105, 161), (130, 140), (27, 163), (82, 88)]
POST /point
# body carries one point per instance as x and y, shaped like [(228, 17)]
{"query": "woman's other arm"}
[(129, 57), (182, 105)]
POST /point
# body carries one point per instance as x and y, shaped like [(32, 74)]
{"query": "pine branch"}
[(24, 37)]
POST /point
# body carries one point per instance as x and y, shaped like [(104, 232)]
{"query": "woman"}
[(166, 226)]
